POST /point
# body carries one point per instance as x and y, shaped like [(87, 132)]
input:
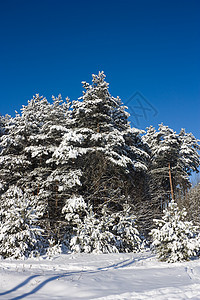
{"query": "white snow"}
[(104, 276)]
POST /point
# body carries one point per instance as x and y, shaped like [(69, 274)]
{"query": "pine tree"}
[(175, 238), (27, 147), (126, 231), (170, 151), (74, 210), (13, 162), (106, 232), (49, 179), (46, 125), (21, 130), (102, 147), (191, 201), (93, 235), (189, 158), (20, 236), (164, 146)]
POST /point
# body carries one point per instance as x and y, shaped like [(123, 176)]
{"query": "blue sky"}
[(147, 49)]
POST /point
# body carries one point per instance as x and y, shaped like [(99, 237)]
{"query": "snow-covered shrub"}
[(125, 229), (54, 248), (74, 208), (94, 235), (20, 237), (106, 233), (174, 239), (74, 211)]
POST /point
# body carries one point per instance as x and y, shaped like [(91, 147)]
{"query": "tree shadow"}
[(119, 265), (19, 285), (125, 263), (39, 286)]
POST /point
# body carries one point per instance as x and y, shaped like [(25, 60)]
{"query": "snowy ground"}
[(108, 276)]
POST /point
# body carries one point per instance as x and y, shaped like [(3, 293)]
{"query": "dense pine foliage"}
[(75, 176), (175, 238)]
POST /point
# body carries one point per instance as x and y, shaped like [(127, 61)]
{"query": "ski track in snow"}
[(100, 277)]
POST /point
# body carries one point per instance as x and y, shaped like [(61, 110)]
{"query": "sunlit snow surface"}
[(105, 276)]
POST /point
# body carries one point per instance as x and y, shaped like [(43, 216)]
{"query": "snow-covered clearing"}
[(105, 276)]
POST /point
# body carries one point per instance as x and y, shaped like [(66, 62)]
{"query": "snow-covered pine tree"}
[(20, 236), (94, 234), (175, 238), (179, 152), (21, 130), (45, 124), (49, 179), (106, 232), (13, 162), (30, 140), (126, 231), (189, 158), (165, 147), (191, 202), (102, 148)]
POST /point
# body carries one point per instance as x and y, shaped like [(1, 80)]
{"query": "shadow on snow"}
[(119, 265)]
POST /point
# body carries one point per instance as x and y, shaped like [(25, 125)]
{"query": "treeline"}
[(76, 176)]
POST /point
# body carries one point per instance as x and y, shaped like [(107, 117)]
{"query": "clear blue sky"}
[(153, 47)]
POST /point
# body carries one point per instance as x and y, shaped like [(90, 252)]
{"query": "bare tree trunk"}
[(170, 180)]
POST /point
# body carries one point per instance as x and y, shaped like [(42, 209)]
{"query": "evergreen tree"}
[(191, 201), (49, 180), (74, 210), (46, 126), (93, 235), (169, 151), (13, 162), (20, 236), (103, 148), (189, 157), (175, 238), (31, 139), (106, 232)]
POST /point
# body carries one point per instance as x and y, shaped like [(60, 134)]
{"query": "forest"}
[(76, 177)]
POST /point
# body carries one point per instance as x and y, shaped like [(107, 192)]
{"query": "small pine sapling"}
[(175, 238), (20, 237)]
